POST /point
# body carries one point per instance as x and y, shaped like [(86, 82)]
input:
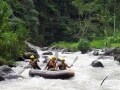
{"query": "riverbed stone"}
[(27, 55), (96, 63), (34, 51), (96, 53), (48, 53), (117, 57), (109, 51), (112, 51), (45, 48), (56, 48), (66, 50), (45, 59), (2, 78), (7, 73)]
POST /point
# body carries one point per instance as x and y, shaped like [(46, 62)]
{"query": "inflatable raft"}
[(60, 74)]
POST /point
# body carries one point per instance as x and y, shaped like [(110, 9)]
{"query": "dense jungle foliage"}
[(44, 22)]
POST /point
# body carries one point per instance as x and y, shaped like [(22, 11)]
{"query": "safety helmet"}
[(32, 56), (53, 58), (62, 59)]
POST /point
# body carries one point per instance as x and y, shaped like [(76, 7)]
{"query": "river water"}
[(86, 77)]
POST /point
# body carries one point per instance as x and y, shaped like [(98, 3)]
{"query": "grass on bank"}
[(102, 44), (98, 44), (115, 45), (6, 62), (70, 45)]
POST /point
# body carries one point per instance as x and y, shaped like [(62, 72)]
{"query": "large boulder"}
[(47, 53), (56, 48), (96, 63), (109, 51), (65, 50), (45, 48), (35, 52), (112, 51), (45, 59), (27, 55), (7, 73), (96, 53), (117, 57), (21, 58), (2, 78)]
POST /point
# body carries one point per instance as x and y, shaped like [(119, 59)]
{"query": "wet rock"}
[(112, 51), (12, 76), (96, 53), (45, 48), (96, 63), (27, 55), (45, 59), (2, 78), (83, 51), (7, 73), (21, 58), (101, 57), (117, 50), (12, 65), (117, 57), (109, 51), (47, 53), (65, 50), (34, 51), (56, 48)]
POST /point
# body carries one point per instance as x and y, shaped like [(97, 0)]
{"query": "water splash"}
[(86, 77)]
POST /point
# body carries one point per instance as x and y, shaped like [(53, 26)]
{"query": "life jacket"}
[(35, 62), (51, 65), (62, 66)]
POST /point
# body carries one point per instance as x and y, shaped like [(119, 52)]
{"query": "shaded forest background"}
[(44, 22)]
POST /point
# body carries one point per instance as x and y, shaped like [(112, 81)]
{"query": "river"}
[(86, 77)]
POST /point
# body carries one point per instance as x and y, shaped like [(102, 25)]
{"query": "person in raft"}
[(63, 65), (51, 65), (33, 62)]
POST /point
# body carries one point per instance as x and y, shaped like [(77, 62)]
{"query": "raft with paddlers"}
[(60, 74)]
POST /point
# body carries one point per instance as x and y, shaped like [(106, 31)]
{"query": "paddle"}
[(20, 72), (56, 55), (28, 66), (74, 61), (103, 80)]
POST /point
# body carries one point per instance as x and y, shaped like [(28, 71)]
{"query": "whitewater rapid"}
[(86, 77)]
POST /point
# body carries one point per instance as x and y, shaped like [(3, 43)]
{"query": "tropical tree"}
[(86, 14), (13, 32)]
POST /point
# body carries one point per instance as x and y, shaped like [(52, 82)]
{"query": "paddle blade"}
[(56, 54), (74, 61), (28, 66), (21, 71)]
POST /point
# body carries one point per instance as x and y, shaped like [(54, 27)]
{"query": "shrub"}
[(2, 61), (10, 62), (108, 41), (100, 43), (70, 45), (83, 45), (6, 62)]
